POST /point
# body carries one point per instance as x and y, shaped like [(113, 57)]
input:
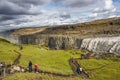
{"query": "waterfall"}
[(103, 44)]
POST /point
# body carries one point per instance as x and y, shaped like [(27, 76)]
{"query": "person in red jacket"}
[(36, 68)]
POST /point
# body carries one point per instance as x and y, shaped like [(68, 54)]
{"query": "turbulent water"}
[(107, 44)]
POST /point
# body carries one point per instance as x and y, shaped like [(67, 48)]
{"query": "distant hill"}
[(109, 26), (97, 28)]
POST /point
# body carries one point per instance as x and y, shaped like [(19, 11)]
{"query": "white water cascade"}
[(103, 44)]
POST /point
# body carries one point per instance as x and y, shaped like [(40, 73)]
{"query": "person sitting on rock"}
[(36, 68)]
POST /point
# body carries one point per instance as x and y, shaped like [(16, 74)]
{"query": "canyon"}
[(96, 36)]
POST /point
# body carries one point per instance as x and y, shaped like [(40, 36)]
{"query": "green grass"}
[(48, 60), (7, 53), (93, 63), (109, 71)]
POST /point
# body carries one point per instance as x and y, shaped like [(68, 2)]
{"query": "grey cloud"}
[(35, 2), (28, 3), (104, 10), (78, 3), (10, 8), (6, 17), (18, 7), (57, 0), (65, 16)]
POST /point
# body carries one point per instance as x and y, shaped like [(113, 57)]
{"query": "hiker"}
[(36, 68), (0, 67), (88, 55), (82, 56), (79, 70), (3, 66), (30, 66), (21, 47)]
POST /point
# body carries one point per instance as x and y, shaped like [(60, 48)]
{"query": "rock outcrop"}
[(33, 39), (64, 42)]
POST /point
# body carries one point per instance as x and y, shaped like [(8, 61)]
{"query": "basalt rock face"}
[(34, 39), (64, 42), (54, 42)]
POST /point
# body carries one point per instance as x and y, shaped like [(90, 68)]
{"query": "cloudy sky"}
[(34, 13)]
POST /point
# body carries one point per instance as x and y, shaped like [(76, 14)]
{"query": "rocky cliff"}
[(64, 42), (34, 39), (101, 44)]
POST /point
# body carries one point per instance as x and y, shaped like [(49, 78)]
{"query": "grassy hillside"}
[(102, 69), (57, 61), (7, 53)]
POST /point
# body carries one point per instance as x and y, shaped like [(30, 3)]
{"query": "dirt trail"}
[(74, 64), (16, 61)]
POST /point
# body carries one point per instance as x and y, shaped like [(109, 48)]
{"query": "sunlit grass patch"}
[(101, 69), (48, 60)]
